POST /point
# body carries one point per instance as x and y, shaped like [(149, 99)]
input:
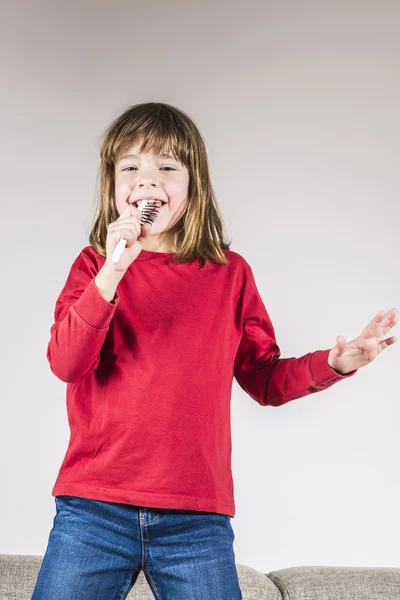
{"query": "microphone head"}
[(150, 211)]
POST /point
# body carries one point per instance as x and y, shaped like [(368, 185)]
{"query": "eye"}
[(161, 167)]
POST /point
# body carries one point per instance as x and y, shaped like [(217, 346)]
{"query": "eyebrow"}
[(136, 156)]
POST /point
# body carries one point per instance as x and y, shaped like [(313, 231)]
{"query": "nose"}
[(146, 183), (147, 186)]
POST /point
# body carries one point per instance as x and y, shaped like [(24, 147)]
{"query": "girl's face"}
[(152, 175)]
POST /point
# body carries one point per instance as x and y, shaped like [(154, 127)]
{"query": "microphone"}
[(150, 210)]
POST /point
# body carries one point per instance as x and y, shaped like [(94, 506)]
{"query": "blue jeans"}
[(97, 549)]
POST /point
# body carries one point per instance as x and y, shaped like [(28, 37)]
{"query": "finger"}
[(130, 211), (387, 323), (145, 232), (376, 320), (392, 317), (127, 217), (341, 342), (126, 212), (373, 327), (388, 316), (388, 342), (135, 211), (382, 331), (122, 232), (121, 227), (126, 222)]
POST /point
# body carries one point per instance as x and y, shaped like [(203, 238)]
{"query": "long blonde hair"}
[(199, 233)]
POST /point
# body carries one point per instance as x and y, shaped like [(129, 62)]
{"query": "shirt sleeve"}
[(258, 368), (82, 317)]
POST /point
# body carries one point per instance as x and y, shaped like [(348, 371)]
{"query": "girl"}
[(148, 347)]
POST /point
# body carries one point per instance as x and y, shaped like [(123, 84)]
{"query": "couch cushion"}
[(253, 584), (337, 583), (18, 574)]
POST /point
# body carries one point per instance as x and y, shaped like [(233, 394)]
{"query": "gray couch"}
[(18, 575)]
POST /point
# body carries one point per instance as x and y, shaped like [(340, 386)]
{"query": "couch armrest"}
[(254, 585)]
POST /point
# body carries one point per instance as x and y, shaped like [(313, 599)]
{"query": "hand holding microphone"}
[(125, 234), (123, 245)]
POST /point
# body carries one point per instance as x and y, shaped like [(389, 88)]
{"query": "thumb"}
[(144, 232), (126, 212), (341, 342)]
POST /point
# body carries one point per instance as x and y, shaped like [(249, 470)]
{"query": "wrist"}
[(107, 280), (109, 270)]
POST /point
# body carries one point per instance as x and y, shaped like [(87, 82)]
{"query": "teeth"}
[(137, 204), (150, 200)]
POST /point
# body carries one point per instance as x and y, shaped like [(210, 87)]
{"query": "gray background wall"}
[(298, 103)]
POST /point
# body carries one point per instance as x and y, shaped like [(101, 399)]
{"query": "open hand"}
[(349, 356)]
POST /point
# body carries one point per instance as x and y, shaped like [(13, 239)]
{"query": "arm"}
[(258, 368), (82, 317)]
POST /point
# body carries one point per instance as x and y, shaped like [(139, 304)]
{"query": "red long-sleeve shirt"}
[(149, 378)]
